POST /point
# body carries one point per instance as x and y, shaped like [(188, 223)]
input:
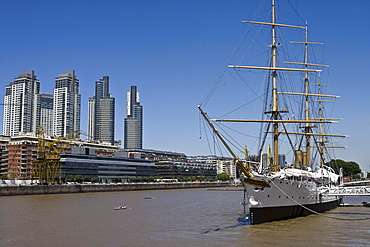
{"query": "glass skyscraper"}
[(133, 123), (101, 113)]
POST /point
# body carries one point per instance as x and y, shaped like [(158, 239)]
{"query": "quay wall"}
[(83, 188)]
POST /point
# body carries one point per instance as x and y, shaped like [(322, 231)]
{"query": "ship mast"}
[(275, 113), (307, 111), (275, 118), (275, 107), (321, 142)]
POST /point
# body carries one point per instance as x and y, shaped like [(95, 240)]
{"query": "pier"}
[(83, 188), (351, 205), (349, 191)]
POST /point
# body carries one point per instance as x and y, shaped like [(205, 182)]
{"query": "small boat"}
[(120, 207), (149, 197), (366, 204)]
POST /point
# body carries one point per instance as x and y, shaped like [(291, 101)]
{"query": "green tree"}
[(78, 178), (349, 168), (70, 178), (5, 177), (223, 176)]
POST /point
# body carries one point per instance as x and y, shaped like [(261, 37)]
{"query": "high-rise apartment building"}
[(44, 112), (101, 113), (67, 104), (133, 123), (19, 104)]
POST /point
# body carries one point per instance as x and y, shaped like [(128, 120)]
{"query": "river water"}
[(186, 217)]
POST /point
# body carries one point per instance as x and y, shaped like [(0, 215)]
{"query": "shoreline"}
[(85, 188)]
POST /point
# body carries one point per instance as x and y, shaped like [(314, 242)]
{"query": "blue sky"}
[(174, 51)]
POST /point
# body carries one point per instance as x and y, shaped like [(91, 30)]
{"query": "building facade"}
[(222, 164), (67, 104), (20, 157), (101, 113), (104, 167), (171, 169), (133, 123), (19, 104), (4, 142), (43, 111)]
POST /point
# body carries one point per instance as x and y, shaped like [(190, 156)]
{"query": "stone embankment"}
[(83, 188)]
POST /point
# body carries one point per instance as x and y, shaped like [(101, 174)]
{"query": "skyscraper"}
[(133, 124), (19, 104), (67, 104), (43, 111), (101, 113)]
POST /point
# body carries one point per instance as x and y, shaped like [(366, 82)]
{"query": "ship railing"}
[(349, 191)]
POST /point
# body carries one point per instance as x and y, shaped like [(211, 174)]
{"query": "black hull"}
[(267, 214)]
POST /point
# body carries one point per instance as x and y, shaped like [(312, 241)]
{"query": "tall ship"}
[(291, 125)]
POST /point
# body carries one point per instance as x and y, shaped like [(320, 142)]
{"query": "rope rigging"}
[(313, 211)]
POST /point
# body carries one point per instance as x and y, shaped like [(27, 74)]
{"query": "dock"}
[(351, 205), (225, 189)]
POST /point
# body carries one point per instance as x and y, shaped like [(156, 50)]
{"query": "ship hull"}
[(260, 215)]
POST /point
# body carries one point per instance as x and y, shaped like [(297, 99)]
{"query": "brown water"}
[(187, 217)]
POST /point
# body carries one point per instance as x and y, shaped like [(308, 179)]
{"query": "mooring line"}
[(313, 211)]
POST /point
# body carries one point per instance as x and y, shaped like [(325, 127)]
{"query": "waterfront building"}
[(226, 165), (17, 152), (153, 155), (98, 160), (282, 161), (67, 104), (20, 157), (86, 163), (19, 104), (133, 123), (186, 169), (4, 141), (222, 164), (265, 160), (101, 113)]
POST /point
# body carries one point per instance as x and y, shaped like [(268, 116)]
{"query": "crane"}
[(47, 167)]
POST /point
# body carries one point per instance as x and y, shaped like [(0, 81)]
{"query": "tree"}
[(70, 178), (78, 178), (349, 168), (5, 177), (223, 176)]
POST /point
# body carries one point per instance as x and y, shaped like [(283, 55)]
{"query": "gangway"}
[(348, 191)]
